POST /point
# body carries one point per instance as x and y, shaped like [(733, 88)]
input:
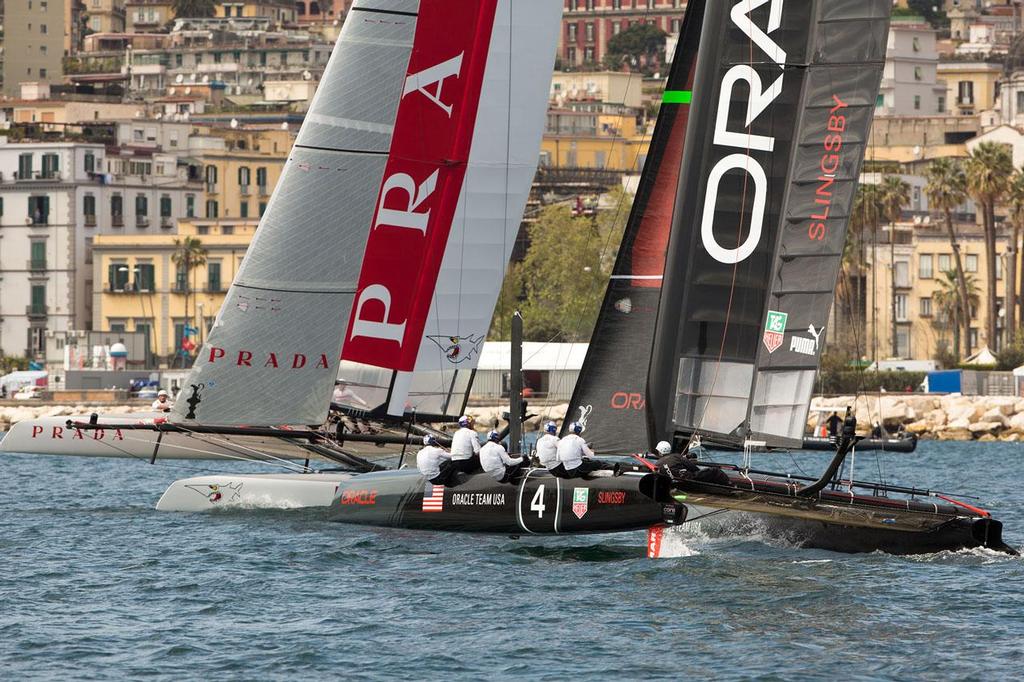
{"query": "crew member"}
[(683, 467), (435, 463), (876, 431), (466, 446), (163, 402), (547, 446), (343, 395), (833, 423), (575, 457), (496, 461)]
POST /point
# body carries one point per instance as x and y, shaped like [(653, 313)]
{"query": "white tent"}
[(15, 380), (550, 370), (983, 357)]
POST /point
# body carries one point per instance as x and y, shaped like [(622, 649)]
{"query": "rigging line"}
[(217, 454), (267, 457), (735, 270), (644, 136)]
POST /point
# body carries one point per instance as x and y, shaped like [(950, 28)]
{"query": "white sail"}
[(273, 352), (428, 371)]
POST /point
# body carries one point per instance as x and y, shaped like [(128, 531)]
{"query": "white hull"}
[(251, 491), (50, 436)]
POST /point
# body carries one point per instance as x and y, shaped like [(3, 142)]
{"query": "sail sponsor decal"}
[(216, 492), (743, 84), (73, 433), (832, 145), (611, 497), (433, 498), (655, 535), (805, 345), (283, 360), (774, 330), (585, 411), (580, 501), (623, 400), (422, 183)]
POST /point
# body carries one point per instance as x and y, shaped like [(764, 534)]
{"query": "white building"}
[(909, 83), (56, 197)]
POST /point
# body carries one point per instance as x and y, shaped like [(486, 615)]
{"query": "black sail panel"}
[(611, 396), (761, 88), (837, 105)]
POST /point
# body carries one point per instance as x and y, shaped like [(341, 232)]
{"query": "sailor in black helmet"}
[(683, 467), (435, 463), (575, 457), (496, 461)]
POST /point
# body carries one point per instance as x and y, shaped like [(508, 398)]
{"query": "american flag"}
[(433, 498)]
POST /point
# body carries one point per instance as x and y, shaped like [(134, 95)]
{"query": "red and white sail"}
[(381, 189), (463, 157)]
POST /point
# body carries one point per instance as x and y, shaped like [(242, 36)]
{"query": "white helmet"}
[(663, 448)]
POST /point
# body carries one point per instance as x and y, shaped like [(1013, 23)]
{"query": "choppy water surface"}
[(95, 584)]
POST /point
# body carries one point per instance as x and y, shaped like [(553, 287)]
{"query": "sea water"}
[(96, 584)]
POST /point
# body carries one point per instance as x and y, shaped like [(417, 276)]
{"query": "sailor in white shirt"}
[(466, 446), (547, 446), (496, 461), (163, 403), (434, 462), (575, 457)]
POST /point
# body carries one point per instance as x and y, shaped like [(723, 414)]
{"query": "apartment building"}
[(910, 86), (588, 25), (239, 177), (142, 290), (33, 43)]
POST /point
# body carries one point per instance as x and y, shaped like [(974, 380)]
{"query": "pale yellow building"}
[(139, 288), (147, 15), (610, 87), (971, 87), (280, 11), (596, 136), (922, 254), (104, 16), (240, 178)]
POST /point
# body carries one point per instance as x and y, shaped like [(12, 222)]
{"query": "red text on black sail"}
[(832, 144)]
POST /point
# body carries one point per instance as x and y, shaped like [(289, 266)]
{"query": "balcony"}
[(244, 189), (38, 219), (38, 176), (117, 220), (263, 190), (166, 222), (90, 220), (211, 188), (141, 221), (37, 264), (36, 310)]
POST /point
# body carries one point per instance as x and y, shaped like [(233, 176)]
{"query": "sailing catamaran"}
[(394, 221)]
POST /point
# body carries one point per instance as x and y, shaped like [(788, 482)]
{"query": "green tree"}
[(1015, 196), (949, 306), (193, 8), (867, 214), (989, 169), (640, 45), (947, 189), (895, 194), (189, 253)]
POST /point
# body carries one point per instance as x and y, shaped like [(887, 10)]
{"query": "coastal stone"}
[(919, 427), (954, 434), (936, 418), (1010, 437), (984, 427), (995, 414), (987, 438)]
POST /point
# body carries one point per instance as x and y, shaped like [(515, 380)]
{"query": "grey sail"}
[(273, 352)]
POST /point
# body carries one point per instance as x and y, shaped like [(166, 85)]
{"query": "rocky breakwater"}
[(938, 417), (12, 414)]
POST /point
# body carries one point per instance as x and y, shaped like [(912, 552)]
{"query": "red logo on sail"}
[(422, 183)]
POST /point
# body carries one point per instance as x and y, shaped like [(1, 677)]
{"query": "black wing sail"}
[(757, 239), (611, 396)]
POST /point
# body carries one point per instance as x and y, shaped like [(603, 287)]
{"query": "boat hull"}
[(51, 436), (538, 503), (844, 522), (252, 491)]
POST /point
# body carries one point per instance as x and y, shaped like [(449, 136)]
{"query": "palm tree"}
[(947, 189), (949, 307), (867, 212), (989, 168), (895, 194), (1015, 195), (189, 253)]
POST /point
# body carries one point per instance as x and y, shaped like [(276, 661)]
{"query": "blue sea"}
[(95, 584)]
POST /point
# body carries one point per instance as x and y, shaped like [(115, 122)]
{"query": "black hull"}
[(905, 445), (539, 503), (844, 522)]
